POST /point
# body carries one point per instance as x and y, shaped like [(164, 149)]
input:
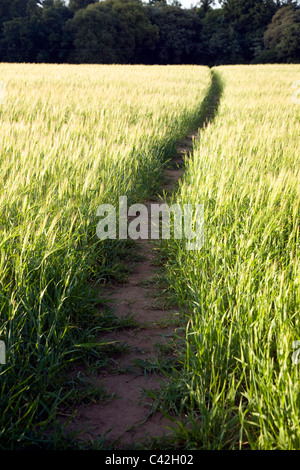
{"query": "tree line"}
[(157, 32)]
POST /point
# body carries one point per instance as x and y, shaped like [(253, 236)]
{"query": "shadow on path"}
[(128, 419)]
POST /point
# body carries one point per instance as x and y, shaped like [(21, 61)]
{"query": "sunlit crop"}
[(72, 137)]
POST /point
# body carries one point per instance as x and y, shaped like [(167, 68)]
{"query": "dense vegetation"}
[(241, 290), (133, 32), (72, 138)]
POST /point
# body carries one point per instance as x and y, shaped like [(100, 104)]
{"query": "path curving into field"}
[(127, 420)]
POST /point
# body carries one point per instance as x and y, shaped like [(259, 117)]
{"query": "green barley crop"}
[(242, 289), (72, 137)]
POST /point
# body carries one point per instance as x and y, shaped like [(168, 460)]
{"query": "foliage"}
[(282, 35), (157, 32), (179, 35), (72, 137), (111, 31)]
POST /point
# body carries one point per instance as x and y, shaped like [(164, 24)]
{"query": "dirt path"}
[(127, 418)]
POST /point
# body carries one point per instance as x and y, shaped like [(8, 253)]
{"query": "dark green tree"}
[(39, 36), (204, 6), (288, 50), (54, 41), (249, 19), (76, 5), (10, 9), (282, 36), (112, 31), (160, 31), (136, 29), (283, 19), (179, 35), (93, 31)]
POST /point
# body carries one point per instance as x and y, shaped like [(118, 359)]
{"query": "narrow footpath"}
[(127, 420)]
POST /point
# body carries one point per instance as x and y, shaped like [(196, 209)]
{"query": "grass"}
[(72, 137), (241, 291)]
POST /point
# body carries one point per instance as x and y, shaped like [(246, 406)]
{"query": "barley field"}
[(241, 291), (71, 138)]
